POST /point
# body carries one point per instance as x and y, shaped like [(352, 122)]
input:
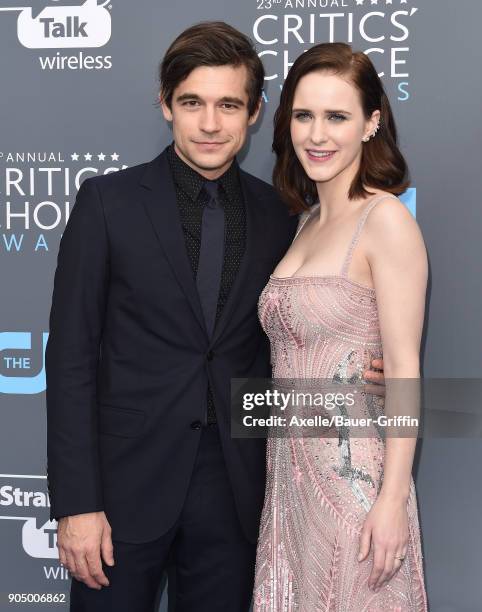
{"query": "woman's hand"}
[(386, 529)]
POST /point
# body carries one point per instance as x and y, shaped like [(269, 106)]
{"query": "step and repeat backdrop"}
[(78, 97)]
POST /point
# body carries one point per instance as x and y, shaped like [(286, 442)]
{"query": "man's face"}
[(209, 114)]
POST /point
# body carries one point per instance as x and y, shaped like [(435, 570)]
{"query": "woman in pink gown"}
[(339, 530)]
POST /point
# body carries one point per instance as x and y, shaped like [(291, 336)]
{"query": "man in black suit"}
[(154, 311)]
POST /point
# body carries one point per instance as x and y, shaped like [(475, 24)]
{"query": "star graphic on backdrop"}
[(115, 157), (101, 156), (359, 2), (403, 1), (75, 157), (374, 1), (88, 156), (389, 1)]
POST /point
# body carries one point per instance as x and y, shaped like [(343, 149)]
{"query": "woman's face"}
[(328, 125)]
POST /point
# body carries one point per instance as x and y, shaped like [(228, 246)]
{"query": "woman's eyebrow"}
[(328, 112)]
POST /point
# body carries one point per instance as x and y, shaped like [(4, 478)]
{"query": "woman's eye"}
[(337, 117), (302, 116)]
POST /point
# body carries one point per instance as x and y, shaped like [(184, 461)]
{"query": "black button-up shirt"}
[(191, 199)]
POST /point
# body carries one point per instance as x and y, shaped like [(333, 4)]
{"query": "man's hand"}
[(373, 375), (376, 377), (82, 540)]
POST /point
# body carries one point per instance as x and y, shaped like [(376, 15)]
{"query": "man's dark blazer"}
[(128, 358)]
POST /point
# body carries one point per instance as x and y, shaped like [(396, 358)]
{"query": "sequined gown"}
[(320, 489)]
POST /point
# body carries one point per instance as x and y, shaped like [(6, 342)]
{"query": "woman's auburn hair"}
[(382, 164)]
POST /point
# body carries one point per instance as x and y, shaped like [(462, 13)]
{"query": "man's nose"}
[(209, 120)]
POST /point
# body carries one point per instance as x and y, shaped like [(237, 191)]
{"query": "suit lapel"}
[(159, 201), (255, 228)]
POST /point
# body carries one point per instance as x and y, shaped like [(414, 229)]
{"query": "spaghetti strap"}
[(304, 218), (359, 227)]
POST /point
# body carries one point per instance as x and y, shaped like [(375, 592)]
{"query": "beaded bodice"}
[(321, 326)]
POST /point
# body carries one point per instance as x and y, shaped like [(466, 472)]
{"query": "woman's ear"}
[(372, 126)]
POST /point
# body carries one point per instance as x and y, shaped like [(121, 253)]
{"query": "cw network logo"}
[(14, 362), (62, 27)]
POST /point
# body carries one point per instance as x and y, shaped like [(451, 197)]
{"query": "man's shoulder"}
[(120, 179), (269, 196), (260, 187)]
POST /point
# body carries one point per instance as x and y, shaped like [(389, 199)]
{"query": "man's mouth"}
[(208, 143)]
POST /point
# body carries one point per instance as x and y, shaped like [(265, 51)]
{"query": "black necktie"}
[(211, 255)]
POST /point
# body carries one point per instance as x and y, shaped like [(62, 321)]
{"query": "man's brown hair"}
[(211, 43)]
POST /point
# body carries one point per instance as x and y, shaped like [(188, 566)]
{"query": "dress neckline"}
[(342, 275), (318, 279)]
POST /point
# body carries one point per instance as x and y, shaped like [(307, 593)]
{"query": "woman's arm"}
[(396, 253)]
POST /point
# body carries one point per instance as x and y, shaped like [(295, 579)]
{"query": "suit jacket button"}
[(196, 425), (210, 356)]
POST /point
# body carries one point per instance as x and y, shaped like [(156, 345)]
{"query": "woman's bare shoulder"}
[(390, 225), (388, 213)]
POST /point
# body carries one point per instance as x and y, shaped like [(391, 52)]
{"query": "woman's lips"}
[(320, 156)]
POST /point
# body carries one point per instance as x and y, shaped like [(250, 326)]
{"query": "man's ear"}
[(254, 117), (166, 111)]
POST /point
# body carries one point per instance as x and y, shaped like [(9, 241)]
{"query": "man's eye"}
[(190, 103), (229, 106)]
